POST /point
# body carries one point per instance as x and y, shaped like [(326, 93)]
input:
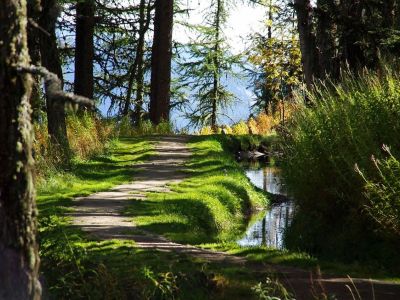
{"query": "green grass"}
[(301, 260), (74, 266), (211, 205)]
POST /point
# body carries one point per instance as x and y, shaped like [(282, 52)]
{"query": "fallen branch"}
[(53, 86)]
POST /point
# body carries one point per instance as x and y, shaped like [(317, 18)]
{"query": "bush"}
[(207, 130), (346, 124), (266, 123), (87, 135), (240, 128)]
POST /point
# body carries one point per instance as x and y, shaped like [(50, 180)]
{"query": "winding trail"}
[(101, 215)]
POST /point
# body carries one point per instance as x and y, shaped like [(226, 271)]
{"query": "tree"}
[(307, 39), (275, 59), (138, 68), (161, 56), (206, 61), (51, 61), (19, 259), (84, 48)]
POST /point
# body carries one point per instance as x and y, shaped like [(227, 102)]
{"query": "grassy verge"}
[(305, 261), (211, 205), (74, 266)]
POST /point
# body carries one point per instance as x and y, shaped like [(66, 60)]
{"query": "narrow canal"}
[(268, 228)]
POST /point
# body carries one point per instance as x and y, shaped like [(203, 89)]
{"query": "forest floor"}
[(103, 215)]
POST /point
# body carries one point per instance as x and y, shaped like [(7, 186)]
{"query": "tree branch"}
[(53, 86)]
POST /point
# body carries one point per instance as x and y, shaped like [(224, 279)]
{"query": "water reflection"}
[(268, 179), (268, 230)]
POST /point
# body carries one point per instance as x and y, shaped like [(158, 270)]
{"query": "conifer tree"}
[(207, 61)]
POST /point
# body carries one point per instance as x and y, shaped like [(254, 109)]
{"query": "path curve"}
[(101, 215)]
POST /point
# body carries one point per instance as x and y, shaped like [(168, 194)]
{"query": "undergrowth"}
[(345, 126), (88, 136)]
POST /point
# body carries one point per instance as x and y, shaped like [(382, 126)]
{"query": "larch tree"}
[(161, 56), (19, 261), (206, 62)]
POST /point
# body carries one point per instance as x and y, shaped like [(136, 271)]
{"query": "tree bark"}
[(51, 61), (309, 55), (161, 56), (19, 261), (84, 48)]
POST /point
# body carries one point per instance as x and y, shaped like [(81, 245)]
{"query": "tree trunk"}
[(34, 53), (309, 56), (51, 61), (137, 70), (161, 56), (19, 261), (84, 48), (326, 28), (216, 62)]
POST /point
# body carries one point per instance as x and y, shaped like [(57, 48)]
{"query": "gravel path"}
[(100, 215)]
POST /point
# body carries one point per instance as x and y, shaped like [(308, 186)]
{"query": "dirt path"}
[(100, 215)]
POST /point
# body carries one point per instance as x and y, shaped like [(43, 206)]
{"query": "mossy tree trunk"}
[(19, 260)]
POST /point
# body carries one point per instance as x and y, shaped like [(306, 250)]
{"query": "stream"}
[(269, 226)]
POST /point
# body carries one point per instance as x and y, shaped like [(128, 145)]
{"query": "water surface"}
[(268, 229)]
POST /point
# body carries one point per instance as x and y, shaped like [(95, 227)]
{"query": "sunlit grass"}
[(76, 266), (212, 204)]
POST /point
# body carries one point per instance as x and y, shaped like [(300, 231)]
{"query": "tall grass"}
[(87, 135), (125, 128), (347, 125)]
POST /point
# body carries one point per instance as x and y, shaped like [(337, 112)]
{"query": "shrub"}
[(207, 130), (266, 123), (145, 127), (346, 124), (240, 128), (253, 126)]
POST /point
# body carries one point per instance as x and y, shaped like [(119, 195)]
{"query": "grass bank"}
[(212, 204)]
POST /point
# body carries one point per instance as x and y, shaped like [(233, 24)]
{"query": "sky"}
[(243, 20)]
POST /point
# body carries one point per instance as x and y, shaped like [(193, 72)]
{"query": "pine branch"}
[(53, 86)]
